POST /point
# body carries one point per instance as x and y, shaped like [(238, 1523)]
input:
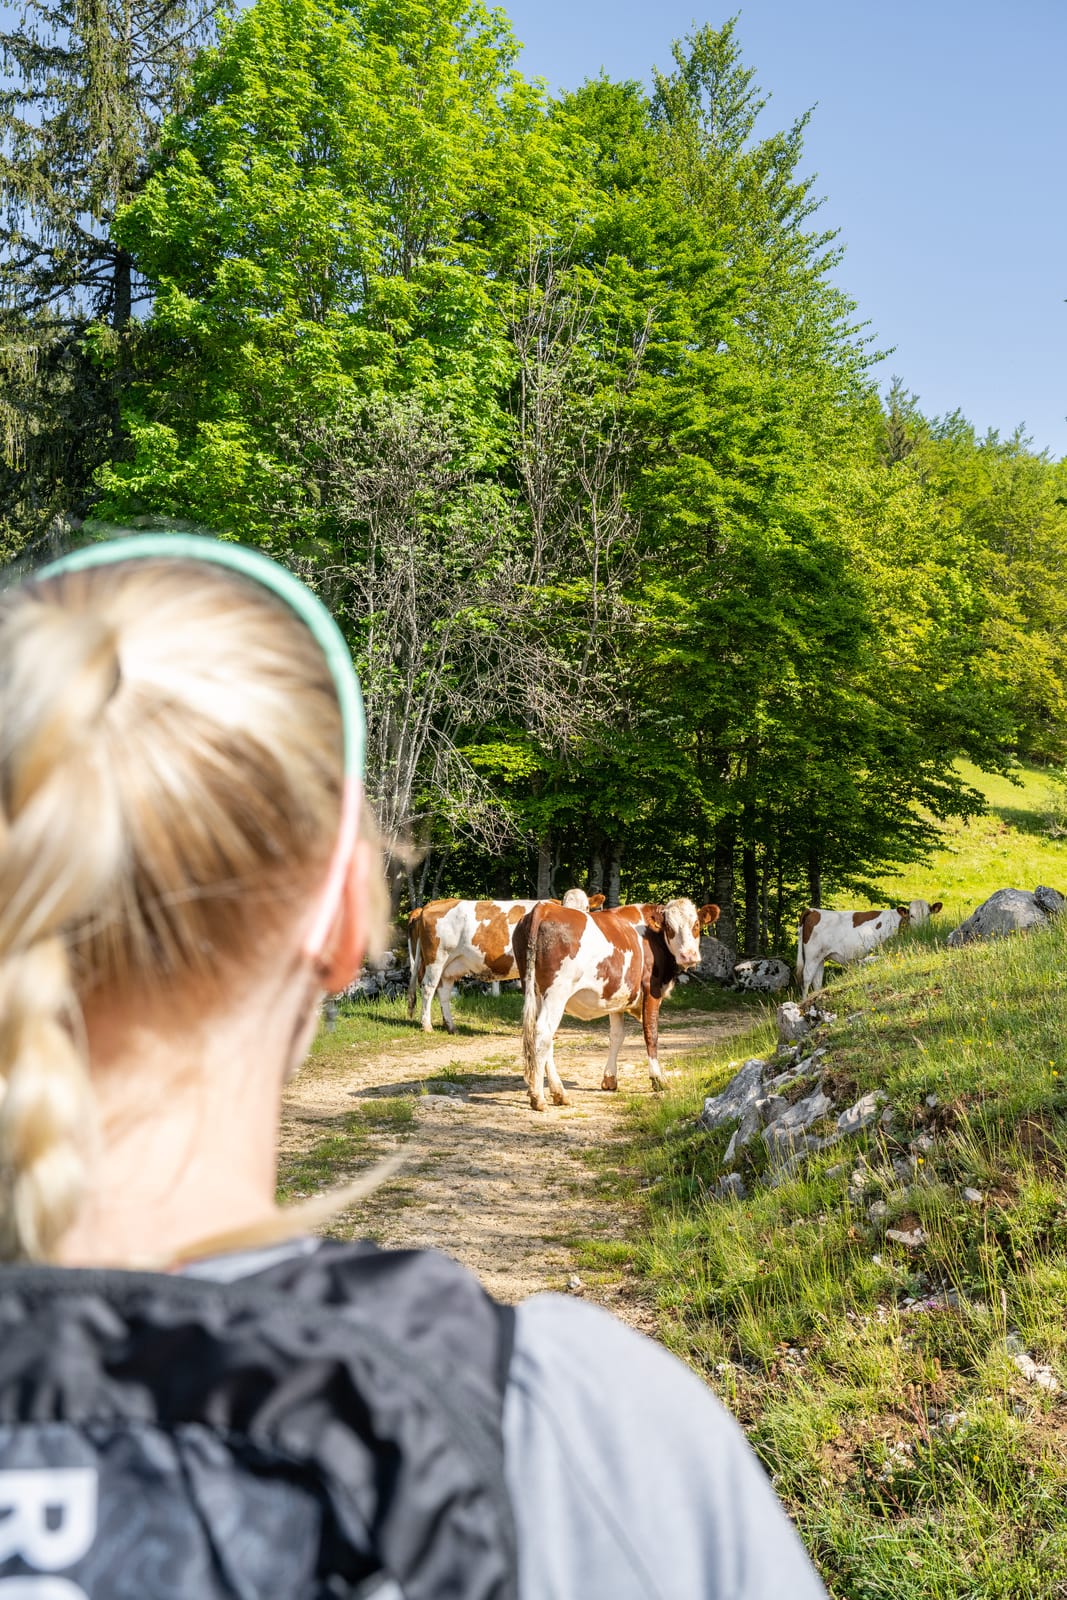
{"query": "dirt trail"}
[(504, 1189)]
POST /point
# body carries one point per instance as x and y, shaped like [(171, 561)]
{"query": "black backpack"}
[(309, 1431)]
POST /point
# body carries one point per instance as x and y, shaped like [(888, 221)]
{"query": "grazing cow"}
[(846, 936), (450, 939), (595, 966)]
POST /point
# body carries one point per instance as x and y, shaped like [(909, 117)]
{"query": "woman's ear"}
[(342, 960)]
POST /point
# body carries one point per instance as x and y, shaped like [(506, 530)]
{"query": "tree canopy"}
[(560, 402)]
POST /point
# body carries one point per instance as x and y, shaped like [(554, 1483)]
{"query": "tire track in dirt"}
[(504, 1189)]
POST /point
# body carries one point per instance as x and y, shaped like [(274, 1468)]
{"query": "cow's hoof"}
[(537, 1103), (609, 1083), (560, 1097), (658, 1084)]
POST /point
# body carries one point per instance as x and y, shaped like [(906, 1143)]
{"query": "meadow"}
[(878, 1382)]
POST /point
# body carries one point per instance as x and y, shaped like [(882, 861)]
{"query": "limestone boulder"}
[(742, 1091), (1007, 911), (769, 975), (716, 962)]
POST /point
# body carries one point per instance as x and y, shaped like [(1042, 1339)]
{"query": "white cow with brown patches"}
[(847, 936), (452, 939), (596, 966)]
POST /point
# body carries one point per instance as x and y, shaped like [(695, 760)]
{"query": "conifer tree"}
[(87, 84)]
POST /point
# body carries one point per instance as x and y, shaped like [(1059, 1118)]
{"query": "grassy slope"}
[(915, 1458), (1009, 847)]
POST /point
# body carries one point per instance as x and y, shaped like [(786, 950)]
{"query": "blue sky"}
[(939, 137)]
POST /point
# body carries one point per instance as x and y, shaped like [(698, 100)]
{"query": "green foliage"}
[(561, 406), (87, 90)]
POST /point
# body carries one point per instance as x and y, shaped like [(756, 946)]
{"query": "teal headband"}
[(253, 564)]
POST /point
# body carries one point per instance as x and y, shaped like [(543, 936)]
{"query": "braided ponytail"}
[(61, 846)]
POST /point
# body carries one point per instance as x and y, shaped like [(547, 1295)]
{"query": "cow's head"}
[(921, 911), (681, 923)]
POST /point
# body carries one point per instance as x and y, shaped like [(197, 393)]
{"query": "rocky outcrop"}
[(741, 1092), (795, 1023), (1008, 911), (787, 1102)]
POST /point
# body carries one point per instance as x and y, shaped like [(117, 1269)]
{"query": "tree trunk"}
[(814, 877), (750, 877), (596, 872), (544, 869), (613, 888), (723, 886)]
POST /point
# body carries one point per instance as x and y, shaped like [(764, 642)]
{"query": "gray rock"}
[(1006, 911), (861, 1115), (743, 1088), (767, 976), (730, 1187), (792, 1023), (911, 1239), (878, 1211), (782, 1137), (886, 1119), (772, 1106), (922, 1144), (1050, 901), (973, 1197), (932, 1101), (716, 962), (745, 1131), (1024, 1362)]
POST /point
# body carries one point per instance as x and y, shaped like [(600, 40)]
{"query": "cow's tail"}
[(800, 946), (529, 995), (415, 958)]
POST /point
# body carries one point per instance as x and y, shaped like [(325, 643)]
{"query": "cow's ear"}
[(935, 908), (595, 902), (707, 915), (904, 913), (654, 918)]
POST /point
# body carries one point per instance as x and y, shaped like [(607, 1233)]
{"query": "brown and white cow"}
[(596, 966), (451, 939), (847, 936)]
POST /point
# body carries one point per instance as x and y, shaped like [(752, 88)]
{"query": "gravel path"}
[(505, 1189)]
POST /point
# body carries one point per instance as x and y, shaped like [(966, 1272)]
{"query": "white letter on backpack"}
[(48, 1517)]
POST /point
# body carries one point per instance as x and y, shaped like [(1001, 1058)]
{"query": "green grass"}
[(1010, 847), (381, 1022), (793, 1304), (353, 1143)]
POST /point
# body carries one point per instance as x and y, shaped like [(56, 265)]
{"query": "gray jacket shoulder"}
[(627, 1476)]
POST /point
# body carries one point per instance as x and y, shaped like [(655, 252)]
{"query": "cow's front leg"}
[(650, 1028), (617, 1027)]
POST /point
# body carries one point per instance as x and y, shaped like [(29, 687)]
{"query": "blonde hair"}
[(170, 789)]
